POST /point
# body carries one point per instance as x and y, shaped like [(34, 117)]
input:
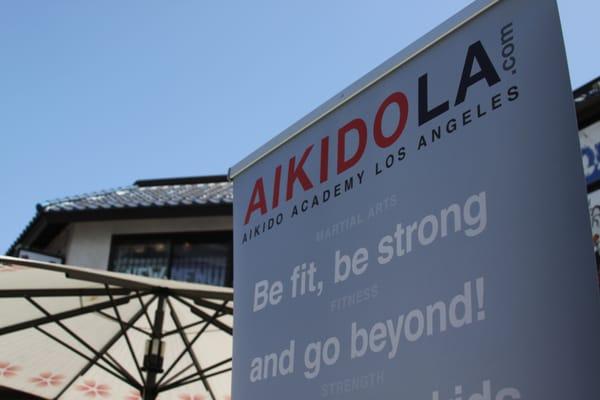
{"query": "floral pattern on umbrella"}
[(92, 389), (133, 395), (192, 397), (46, 379), (8, 370)]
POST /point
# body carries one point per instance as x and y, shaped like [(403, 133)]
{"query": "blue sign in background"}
[(591, 166)]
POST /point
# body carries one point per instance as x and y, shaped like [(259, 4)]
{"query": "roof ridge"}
[(186, 180), (52, 202), (180, 193)]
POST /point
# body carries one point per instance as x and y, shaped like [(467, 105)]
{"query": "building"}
[(167, 228), (587, 103)]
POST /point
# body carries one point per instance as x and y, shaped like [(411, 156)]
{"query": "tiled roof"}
[(154, 195), (134, 196)]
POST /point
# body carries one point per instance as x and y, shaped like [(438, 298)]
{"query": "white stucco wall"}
[(89, 244), (59, 245)]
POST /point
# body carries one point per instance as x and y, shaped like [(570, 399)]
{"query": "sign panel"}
[(589, 139), (411, 239), (39, 256)]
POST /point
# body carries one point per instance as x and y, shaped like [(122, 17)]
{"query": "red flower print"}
[(47, 379), (191, 397), (91, 389), (133, 395), (8, 370)]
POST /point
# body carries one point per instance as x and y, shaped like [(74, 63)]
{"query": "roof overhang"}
[(46, 225)]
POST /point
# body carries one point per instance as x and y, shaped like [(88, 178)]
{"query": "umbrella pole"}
[(150, 386)]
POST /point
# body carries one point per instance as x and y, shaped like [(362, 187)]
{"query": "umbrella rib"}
[(114, 371), (203, 294), (189, 349), (191, 325), (171, 379), (193, 377), (145, 311), (60, 316), (176, 384), (116, 365), (107, 346), (71, 292), (124, 333), (202, 314), (84, 356), (200, 332), (116, 337), (218, 372), (107, 315), (114, 360), (213, 306)]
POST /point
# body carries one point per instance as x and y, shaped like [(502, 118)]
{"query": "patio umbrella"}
[(70, 333)]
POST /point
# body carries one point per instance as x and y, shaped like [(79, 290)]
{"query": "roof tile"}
[(219, 193)]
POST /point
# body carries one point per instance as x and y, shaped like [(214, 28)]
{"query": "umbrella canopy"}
[(70, 333)]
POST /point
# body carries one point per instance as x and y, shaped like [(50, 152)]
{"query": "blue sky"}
[(97, 94)]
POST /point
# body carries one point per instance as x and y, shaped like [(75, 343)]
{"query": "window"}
[(189, 257), (146, 258)]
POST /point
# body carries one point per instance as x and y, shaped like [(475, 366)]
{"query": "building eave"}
[(46, 225)]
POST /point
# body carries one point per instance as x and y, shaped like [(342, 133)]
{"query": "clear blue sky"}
[(97, 94)]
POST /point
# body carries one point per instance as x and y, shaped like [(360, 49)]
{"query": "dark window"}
[(195, 257), (142, 257)]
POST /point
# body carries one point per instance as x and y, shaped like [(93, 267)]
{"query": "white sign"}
[(411, 239), (37, 256)]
